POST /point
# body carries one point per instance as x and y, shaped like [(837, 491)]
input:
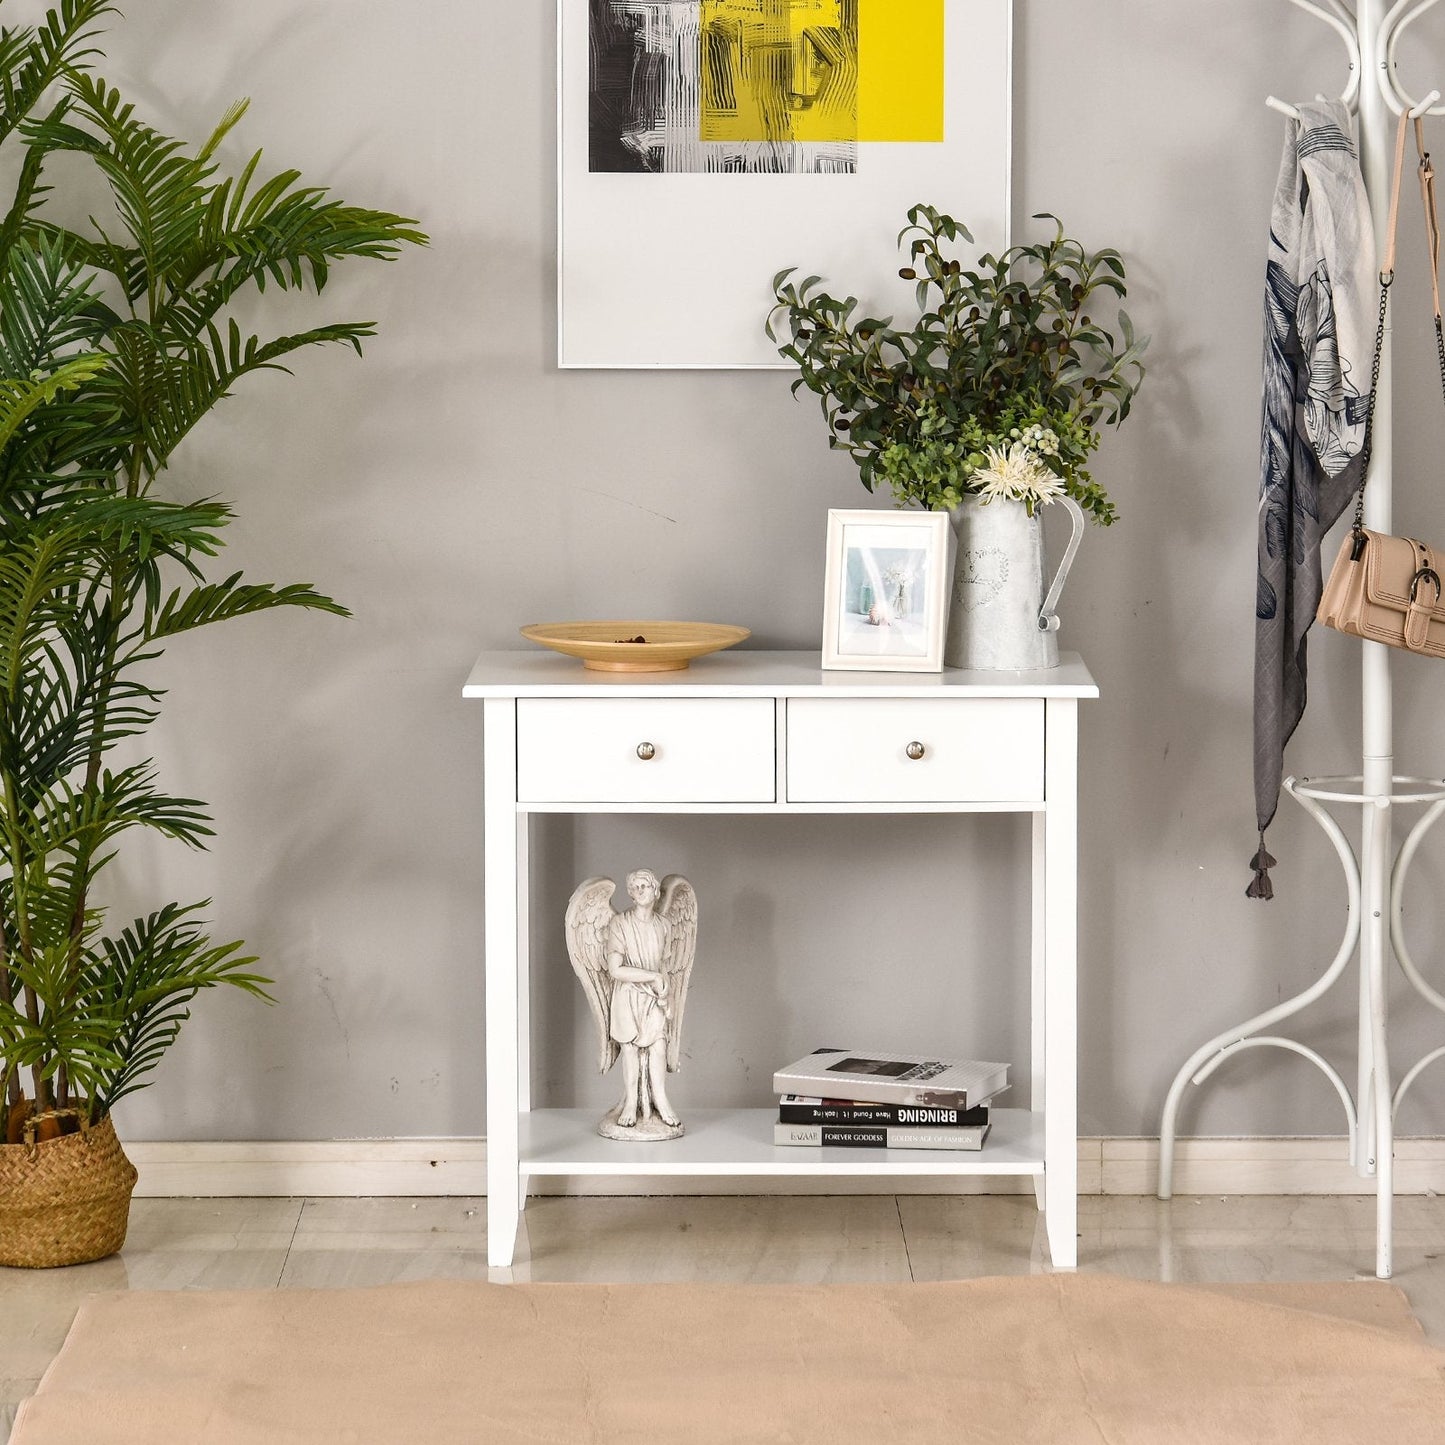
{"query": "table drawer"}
[(857, 750), (645, 750)]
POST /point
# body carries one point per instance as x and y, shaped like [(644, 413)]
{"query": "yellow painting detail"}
[(775, 70), (900, 73), (821, 71)]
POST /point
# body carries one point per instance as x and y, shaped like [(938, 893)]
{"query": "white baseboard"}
[(458, 1167)]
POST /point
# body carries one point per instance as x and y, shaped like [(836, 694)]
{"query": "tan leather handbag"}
[(1390, 594), (1385, 588)]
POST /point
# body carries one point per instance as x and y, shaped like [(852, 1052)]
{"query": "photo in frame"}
[(705, 145), (885, 590)]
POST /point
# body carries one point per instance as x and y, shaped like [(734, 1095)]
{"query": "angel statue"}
[(634, 967)]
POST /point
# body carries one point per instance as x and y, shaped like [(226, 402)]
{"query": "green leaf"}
[(19, 400), (221, 601), (146, 978), (32, 60)]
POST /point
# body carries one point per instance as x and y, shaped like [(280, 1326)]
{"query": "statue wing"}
[(589, 913), (679, 907)]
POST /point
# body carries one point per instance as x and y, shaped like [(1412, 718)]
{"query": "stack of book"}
[(886, 1100)]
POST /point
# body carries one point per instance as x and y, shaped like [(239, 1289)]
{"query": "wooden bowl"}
[(635, 646)]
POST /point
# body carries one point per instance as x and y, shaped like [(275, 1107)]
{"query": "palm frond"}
[(220, 601), (50, 329), (284, 233), (142, 526), (45, 911), (37, 573), (46, 309), (71, 1034), (87, 817), (69, 1028), (162, 386), (32, 60), (20, 399), (146, 977), (28, 191), (61, 715), (158, 189)]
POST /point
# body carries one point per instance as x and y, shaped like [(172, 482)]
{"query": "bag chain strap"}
[(1387, 277), (1386, 280), (1440, 347)]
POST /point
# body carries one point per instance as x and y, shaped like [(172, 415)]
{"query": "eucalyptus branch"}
[(1002, 349)]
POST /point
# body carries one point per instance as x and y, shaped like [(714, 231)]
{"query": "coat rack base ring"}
[(1312, 793)]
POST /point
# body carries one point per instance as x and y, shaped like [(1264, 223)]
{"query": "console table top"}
[(754, 672)]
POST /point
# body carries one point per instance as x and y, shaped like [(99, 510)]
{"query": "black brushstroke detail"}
[(1324, 138), (652, 64), (1265, 604)]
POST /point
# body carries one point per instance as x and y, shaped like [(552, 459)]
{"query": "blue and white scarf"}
[(1320, 294)]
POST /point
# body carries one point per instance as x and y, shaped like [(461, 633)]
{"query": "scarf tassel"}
[(1261, 887)]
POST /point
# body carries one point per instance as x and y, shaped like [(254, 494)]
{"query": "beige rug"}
[(1055, 1358)]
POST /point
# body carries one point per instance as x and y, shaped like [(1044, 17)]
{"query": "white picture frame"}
[(674, 270), (886, 590)]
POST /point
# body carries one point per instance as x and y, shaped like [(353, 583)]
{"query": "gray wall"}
[(454, 485)]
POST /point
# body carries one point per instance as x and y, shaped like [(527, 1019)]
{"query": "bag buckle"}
[(1425, 574)]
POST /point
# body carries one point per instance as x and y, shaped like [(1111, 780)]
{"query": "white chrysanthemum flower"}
[(1046, 487), (993, 478), (1007, 470), (1014, 473)]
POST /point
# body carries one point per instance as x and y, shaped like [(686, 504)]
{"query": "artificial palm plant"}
[(117, 337)]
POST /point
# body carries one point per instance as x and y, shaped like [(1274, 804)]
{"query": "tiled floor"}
[(330, 1243)]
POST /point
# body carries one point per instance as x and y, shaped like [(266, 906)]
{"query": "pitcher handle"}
[(1048, 619)]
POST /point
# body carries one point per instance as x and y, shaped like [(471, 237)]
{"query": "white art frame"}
[(872, 558), (674, 270)]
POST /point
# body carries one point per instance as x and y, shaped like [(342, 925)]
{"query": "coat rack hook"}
[(1339, 19), (1398, 18)]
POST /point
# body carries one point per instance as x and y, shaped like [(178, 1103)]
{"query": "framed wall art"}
[(705, 145), (885, 590)]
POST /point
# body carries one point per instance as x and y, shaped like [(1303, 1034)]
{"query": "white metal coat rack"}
[(1371, 31)]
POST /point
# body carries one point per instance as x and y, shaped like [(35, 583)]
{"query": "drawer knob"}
[(915, 751), (646, 752)]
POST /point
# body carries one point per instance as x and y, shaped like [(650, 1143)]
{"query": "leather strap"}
[(1427, 196), (1432, 220), (1387, 266), (1424, 597)]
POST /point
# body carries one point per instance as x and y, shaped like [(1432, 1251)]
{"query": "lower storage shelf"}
[(740, 1141)]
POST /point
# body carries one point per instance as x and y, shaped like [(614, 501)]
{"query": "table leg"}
[(1060, 865), (502, 834), (1038, 1074), (524, 983)]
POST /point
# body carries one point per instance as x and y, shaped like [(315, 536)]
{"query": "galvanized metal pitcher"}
[(1001, 613)]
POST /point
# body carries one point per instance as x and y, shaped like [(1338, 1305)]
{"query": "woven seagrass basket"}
[(64, 1201)]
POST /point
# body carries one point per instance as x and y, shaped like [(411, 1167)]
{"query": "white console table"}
[(769, 732)]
